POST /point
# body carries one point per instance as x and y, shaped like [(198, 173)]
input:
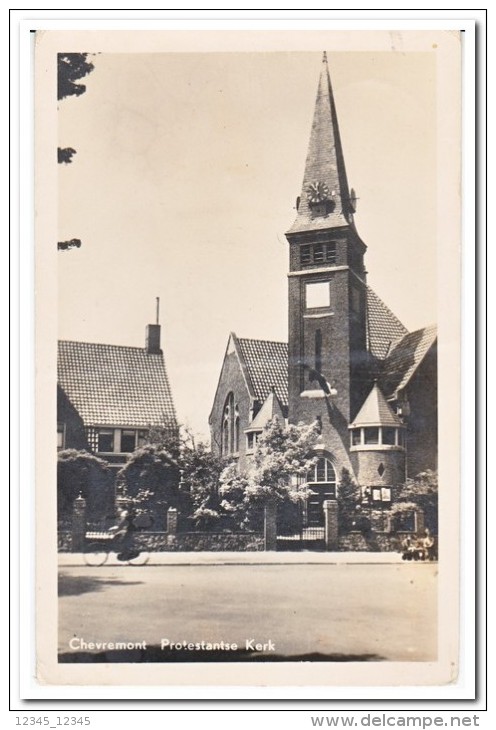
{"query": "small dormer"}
[(270, 408)]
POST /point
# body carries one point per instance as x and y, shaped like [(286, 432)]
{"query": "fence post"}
[(171, 525), (419, 523), (270, 526), (78, 532), (331, 531)]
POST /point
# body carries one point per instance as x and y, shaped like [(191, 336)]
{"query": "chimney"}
[(152, 344)]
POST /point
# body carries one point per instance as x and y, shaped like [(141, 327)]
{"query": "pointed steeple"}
[(325, 197)]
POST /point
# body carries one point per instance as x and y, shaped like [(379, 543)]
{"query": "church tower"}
[(327, 348)]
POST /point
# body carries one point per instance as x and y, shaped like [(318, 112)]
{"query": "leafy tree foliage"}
[(349, 499), (151, 478), (66, 245), (200, 478), (65, 154), (422, 491), (175, 471), (81, 473), (282, 454), (71, 67)]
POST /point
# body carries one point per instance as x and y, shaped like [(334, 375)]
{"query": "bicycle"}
[(99, 546)]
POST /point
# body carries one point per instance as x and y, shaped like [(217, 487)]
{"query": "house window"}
[(323, 471), (128, 440), (106, 440), (388, 436), (228, 416), (305, 255), (371, 435), (236, 430), (252, 440), (356, 437), (317, 294), (60, 436), (318, 253), (142, 438)]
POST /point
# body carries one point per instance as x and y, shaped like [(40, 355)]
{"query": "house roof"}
[(266, 365), (271, 407), (376, 411), (384, 328), (110, 385), (324, 164), (404, 359)]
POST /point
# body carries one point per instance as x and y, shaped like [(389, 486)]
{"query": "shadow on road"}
[(76, 585), (156, 654)]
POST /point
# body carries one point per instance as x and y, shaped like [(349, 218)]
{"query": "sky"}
[(187, 170)]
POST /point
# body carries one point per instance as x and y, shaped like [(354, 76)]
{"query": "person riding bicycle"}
[(123, 535)]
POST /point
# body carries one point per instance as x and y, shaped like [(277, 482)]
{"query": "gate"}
[(294, 531)]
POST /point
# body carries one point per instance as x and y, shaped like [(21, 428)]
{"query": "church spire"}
[(325, 197)]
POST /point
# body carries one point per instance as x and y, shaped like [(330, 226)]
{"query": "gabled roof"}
[(266, 365), (405, 358), (384, 328), (376, 411), (271, 407), (110, 385), (324, 164)]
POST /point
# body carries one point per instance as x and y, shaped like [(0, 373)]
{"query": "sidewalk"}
[(246, 558)]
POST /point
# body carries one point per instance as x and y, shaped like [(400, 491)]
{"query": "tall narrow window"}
[(236, 430), (106, 440), (228, 425), (318, 351)]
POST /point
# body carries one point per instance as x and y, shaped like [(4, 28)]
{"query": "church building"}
[(350, 365)]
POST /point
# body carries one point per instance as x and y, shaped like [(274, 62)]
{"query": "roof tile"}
[(404, 359), (384, 328), (115, 385), (267, 365)]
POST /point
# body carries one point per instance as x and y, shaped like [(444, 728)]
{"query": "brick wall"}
[(75, 437), (369, 462), (231, 380), (422, 432)]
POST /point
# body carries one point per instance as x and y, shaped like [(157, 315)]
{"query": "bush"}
[(81, 473), (151, 478)]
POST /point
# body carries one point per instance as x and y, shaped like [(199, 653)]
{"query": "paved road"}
[(332, 612)]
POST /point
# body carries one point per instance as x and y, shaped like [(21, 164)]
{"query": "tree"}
[(174, 470), (349, 499), (420, 492), (151, 478), (71, 67), (282, 454), (200, 477), (81, 473)]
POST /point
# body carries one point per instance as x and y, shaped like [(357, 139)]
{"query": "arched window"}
[(322, 473), (230, 427), (236, 430)]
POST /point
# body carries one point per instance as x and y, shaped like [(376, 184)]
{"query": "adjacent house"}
[(109, 396)]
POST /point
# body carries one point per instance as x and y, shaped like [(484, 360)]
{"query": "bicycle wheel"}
[(139, 559), (95, 554)]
